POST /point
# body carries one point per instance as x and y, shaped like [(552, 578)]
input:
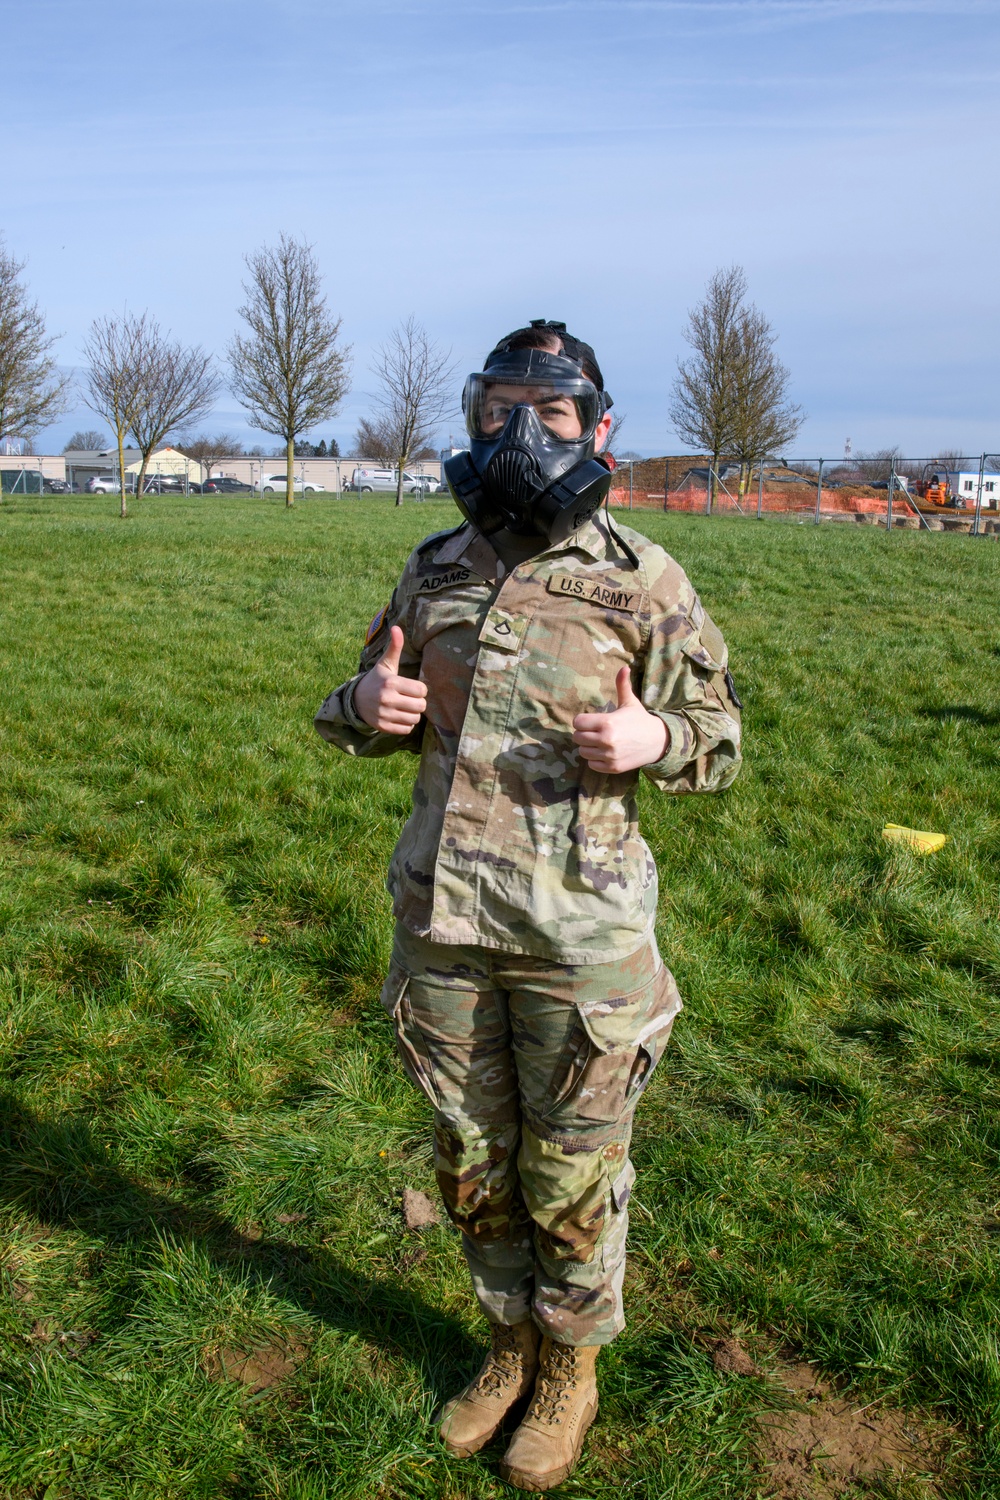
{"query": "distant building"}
[(31, 473), (82, 464), (964, 485)]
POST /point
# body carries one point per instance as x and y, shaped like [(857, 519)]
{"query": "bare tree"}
[(416, 391), (289, 370), (32, 393), (179, 385), (702, 408), (763, 419), (89, 440), (117, 377), (617, 423), (732, 396), (378, 438), (207, 451), (876, 466)]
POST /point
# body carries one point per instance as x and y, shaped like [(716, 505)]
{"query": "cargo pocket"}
[(626, 1038), (410, 1040)]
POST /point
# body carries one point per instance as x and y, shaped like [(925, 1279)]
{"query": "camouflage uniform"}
[(529, 1001)]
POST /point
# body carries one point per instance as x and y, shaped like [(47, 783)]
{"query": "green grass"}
[(203, 1130)]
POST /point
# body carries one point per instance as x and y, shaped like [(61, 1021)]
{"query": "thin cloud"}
[(751, 9)]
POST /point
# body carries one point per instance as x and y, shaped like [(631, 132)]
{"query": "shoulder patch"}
[(594, 591), (376, 625)]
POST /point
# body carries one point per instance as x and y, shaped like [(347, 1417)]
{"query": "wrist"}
[(354, 710), (659, 739)]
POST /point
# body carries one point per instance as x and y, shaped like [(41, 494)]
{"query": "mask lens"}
[(568, 410)]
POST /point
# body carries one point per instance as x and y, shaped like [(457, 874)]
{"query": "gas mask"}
[(530, 466)]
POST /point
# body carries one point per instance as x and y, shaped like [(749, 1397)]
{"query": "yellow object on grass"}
[(916, 838)]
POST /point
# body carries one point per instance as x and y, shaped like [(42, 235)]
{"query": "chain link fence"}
[(950, 492)]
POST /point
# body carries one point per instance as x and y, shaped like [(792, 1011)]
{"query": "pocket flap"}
[(627, 1021), (621, 1188), (394, 989)]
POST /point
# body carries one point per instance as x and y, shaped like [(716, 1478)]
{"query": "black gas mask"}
[(530, 466)]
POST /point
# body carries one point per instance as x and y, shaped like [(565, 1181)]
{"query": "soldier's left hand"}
[(624, 739)]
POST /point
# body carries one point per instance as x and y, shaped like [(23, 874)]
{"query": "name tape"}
[(595, 592), (435, 581)]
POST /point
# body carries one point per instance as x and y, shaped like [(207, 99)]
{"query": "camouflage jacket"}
[(514, 843)]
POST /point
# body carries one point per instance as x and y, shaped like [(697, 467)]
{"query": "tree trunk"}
[(711, 482), (140, 483), (290, 473), (121, 471), (399, 478)]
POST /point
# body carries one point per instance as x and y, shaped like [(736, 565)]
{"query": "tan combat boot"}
[(473, 1418), (545, 1448)]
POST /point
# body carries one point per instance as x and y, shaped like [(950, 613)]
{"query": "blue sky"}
[(481, 164)]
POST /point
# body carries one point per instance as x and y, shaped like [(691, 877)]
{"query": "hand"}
[(624, 739), (387, 701)]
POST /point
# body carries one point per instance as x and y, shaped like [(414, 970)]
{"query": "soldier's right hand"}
[(386, 701)]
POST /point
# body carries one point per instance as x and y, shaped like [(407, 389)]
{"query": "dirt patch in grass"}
[(257, 1369), (825, 1443), (730, 1357), (419, 1211)]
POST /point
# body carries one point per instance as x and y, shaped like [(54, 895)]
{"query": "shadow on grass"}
[(960, 711), (59, 1172)]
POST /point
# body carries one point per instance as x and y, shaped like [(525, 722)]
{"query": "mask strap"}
[(623, 544)]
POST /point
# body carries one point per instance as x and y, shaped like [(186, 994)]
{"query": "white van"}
[(367, 481)]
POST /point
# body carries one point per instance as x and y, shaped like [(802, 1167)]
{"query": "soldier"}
[(537, 657)]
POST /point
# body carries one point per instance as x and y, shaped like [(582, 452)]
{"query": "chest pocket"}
[(594, 625)]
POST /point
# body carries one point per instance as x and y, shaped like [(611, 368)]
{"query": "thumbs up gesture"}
[(384, 699), (625, 738)]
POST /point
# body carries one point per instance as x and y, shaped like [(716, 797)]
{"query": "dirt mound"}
[(258, 1369), (824, 1443), (419, 1211)]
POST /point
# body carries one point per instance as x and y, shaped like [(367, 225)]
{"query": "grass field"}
[(204, 1135)]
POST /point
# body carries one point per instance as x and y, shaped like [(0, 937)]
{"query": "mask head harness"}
[(531, 467)]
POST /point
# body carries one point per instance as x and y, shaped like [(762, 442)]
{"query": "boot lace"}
[(557, 1378), (503, 1364)]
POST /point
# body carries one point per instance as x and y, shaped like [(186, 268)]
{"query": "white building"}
[(964, 484)]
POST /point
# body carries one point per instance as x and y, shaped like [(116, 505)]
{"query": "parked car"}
[(57, 487), (278, 483), (222, 484), (367, 481), (103, 484), (430, 485), (163, 484)]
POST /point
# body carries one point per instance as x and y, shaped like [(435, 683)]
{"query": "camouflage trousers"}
[(534, 1070)]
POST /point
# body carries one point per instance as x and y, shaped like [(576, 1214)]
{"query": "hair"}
[(541, 333)]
